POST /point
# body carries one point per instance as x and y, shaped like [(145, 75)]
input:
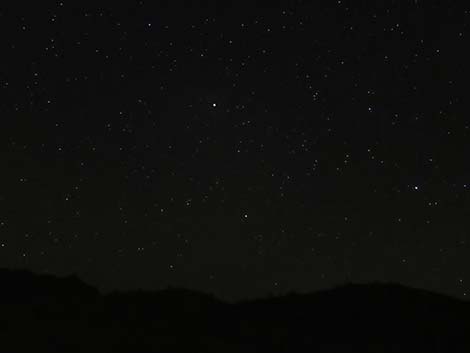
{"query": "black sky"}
[(238, 150)]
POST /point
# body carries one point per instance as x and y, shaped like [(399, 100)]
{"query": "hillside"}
[(43, 313)]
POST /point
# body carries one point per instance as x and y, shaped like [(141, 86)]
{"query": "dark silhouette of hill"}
[(43, 313)]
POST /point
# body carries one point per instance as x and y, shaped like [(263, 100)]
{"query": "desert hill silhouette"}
[(45, 313)]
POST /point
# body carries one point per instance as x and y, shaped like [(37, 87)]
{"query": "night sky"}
[(238, 150)]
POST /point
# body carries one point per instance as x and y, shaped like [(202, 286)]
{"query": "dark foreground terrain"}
[(42, 313)]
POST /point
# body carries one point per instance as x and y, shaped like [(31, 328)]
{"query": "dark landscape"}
[(45, 313), (234, 177)]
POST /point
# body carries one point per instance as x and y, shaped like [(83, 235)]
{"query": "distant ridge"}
[(374, 288), (67, 315), (24, 278), (19, 284)]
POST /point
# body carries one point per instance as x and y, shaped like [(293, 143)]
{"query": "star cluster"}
[(237, 150)]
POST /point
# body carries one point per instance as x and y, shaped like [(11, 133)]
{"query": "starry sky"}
[(237, 150)]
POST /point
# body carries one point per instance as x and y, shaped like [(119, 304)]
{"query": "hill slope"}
[(67, 315)]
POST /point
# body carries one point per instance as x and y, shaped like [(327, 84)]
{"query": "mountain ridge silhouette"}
[(67, 315)]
